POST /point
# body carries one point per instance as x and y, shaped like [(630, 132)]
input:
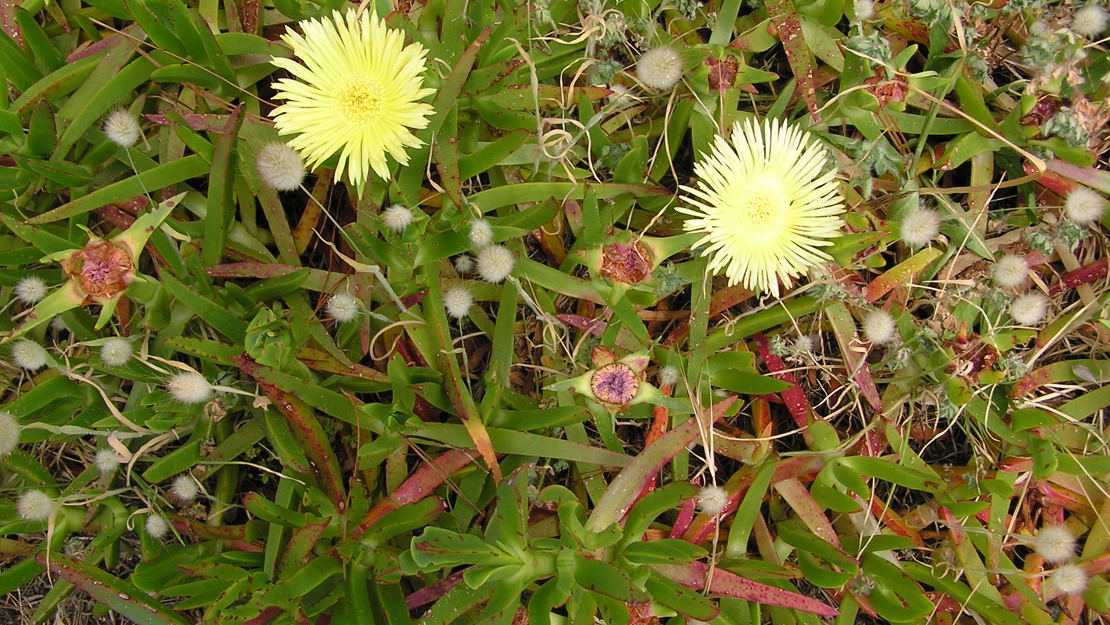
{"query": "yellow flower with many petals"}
[(764, 204), (355, 92)]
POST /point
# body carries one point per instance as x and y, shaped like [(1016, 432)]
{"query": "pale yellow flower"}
[(355, 93), (765, 203)]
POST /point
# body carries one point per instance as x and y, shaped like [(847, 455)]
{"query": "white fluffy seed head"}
[(9, 433), (803, 344), (280, 166), (35, 505), (464, 264), (122, 128), (660, 68), (1054, 543), (343, 307), (156, 526), (1029, 309), (919, 227), (668, 376), (1090, 21), (495, 263), (457, 300), (865, 9), (396, 217), (712, 500), (1069, 579), (116, 351), (1010, 271), (29, 355), (106, 460), (1084, 206), (189, 387), (184, 488), (879, 327), (481, 233), (30, 290)]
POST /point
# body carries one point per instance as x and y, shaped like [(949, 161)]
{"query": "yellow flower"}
[(764, 205), (356, 92)]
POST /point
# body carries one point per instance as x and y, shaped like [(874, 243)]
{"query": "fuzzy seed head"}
[(396, 217), (116, 351), (481, 234), (29, 355), (803, 344), (106, 460), (1010, 271), (464, 264), (712, 500), (122, 128), (1029, 309), (156, 526), (865, 9), (35, 505), (457, 300), (343, 307), (30, 290), (184, 488), (9, 433), (668, 376), (280, 166), (919, 227), (1084, 206), (1069, 579), (659, 68), (1090, 21), (879, 327), (495, 263), (189, 387), (1054, 543)]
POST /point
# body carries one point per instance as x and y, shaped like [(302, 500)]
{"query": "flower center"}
[(361, 101), (760, 207)]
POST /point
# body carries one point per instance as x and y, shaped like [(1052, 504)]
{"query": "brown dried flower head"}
[(629, 264), (104, 269)]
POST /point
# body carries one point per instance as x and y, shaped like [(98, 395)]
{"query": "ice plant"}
[(355, 93), (99, 273), (617, 383), (762, 204)]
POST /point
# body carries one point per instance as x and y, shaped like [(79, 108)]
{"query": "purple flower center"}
[(615, 383)]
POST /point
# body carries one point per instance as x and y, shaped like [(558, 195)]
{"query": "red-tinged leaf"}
[(631, 482), (266, 616), (728, 584), (1089, 176), (7, 20), (902, 273), (300, 546), (318, 360), (421, 484), (844, 328), (429, 594), (1063, 371), (117, 594), (808, 510), (197, 121), (794, 397), (788, 28), (1051, 180), (595, 327), (895, 522), (1084, 275), (685, 516), (302, 421)]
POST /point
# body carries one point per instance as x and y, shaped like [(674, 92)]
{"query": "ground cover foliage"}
[(506, 381)]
